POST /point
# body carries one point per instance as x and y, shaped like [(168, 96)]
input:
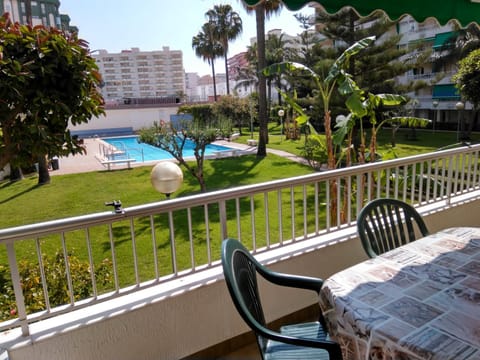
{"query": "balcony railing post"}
[(17, 288), (449, 180), (222, 208)]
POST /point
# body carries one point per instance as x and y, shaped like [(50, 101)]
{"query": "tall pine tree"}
[(376, 68)]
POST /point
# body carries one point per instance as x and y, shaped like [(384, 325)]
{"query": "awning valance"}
[(464, 11)]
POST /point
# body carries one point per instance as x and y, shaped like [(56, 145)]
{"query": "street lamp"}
[(166, 177), (435, 104), (280, 114), (459, 106)]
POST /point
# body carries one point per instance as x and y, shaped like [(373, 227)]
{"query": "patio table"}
[(419, 301)]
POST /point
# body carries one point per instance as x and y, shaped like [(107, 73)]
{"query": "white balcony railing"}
[(268, 215)]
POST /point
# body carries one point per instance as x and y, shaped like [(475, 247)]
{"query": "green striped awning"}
[(443, 39), (464, 11)]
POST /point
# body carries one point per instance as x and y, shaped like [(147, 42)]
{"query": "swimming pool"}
[(129, 147)]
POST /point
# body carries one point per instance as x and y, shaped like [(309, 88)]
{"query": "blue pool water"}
[(143, 152)]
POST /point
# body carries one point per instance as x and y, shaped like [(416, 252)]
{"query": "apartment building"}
[(44, 12), (142, 76), (439, 100), (235, 63)]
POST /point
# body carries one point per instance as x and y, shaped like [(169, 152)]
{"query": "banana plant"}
[(369, 108), (337, 76), (358, 102)]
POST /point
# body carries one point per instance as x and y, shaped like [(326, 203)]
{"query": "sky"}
[(116, 25)]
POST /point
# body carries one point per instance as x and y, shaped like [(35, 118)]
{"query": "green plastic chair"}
[(385, 224), (299, 341)]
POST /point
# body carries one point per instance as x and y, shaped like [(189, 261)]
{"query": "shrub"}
[(315, 152), (56, 279)]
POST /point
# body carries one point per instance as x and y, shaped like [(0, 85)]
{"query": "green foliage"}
[(361, 104), (206, 46), (235, 109), (376, 68), (56, 279), (228, 26), (336, 78), (467, 78), (315, 151), (47, 80), (200, 112)]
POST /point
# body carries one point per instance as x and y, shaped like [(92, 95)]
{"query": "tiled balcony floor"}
[(250, 351)]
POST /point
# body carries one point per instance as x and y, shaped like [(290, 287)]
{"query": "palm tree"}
[(264, 9), (208, 48), (228, 26)]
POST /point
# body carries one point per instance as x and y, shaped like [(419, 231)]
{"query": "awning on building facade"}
[(444, 40), (445, 92), (464, 11)]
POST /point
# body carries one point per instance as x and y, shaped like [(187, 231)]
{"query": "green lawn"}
[(78, 194)]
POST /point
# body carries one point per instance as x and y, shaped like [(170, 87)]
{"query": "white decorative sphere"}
[(166, 177)]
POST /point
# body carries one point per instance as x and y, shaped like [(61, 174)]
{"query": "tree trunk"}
[(471, 122), (43, 174), (214, 81), (28, 11), (269, 95), (16, 174), (331, 165), (474, 122), (351, 25), (262, 86), (227, 78), (279, 93)]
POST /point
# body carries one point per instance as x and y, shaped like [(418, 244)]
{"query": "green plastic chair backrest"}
[(240, 271), (385, 224)]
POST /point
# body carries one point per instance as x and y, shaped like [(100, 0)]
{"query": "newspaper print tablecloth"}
[(419, 301)]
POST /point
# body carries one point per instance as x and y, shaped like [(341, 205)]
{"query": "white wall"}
[(135, 118)]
